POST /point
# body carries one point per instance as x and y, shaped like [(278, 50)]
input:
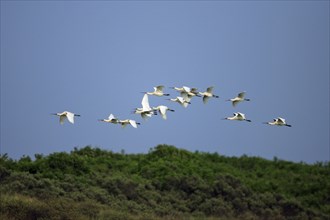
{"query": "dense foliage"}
[(166, 183)]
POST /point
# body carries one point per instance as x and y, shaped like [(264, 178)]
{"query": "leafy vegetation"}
[(166, 183)]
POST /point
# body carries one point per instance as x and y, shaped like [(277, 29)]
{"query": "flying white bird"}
[(181, 101), (279, 122), (145, 111), (188, 93), (239, 98), (128, 121), (158, 91), (162, 110), (186, 90), (111, 119), (238, 116), (179, 89), (66, 114), (208, 94)]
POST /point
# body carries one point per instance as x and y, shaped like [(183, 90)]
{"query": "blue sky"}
[(95, 58)]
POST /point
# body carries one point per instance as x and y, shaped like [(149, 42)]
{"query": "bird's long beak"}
[(77, 115), (53, 113)]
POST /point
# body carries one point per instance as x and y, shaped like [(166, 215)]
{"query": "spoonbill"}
[(188, 93), (186, 90), (128, 121), (278, 122), (66, 114), (238, 116), (145, 111), (208, 94), (182, 89), (162, 110), (111, 119), (158, 91), (238, 98), (181, 101)]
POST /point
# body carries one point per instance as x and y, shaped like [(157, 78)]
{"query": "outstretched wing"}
[(240, 116), (62, 119), (111, 117), (210, 89), (133, 123), (241, 95), (162, 110), (185, 96), (70, 117), (159, 88), (145, 103), (205, 99), (186, 89), (281, 120)]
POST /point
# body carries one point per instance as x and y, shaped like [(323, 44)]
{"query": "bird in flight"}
[(239, 98), (66, 115), (158, 91), (278, 122), (111, 119), (181, 101), (145, 111), (162, 110), (238, 116), (208, 94), (128, 121)]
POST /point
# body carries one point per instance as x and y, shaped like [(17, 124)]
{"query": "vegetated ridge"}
[(166, 183)]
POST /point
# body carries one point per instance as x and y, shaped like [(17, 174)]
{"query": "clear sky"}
[(96, 57)]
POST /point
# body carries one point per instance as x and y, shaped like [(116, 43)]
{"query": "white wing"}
[(133, 123), (162, 110), (185, 96), (181, 99), (235, 103), (240, 115), (281, 120), (210, 89), (144, 115), (145, 103), (62, 119), (241, 95), (205, 99), (186, 89), (159, 88), (70, 117), (111, 116)]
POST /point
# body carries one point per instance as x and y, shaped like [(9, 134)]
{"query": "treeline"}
[(166, 183)]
